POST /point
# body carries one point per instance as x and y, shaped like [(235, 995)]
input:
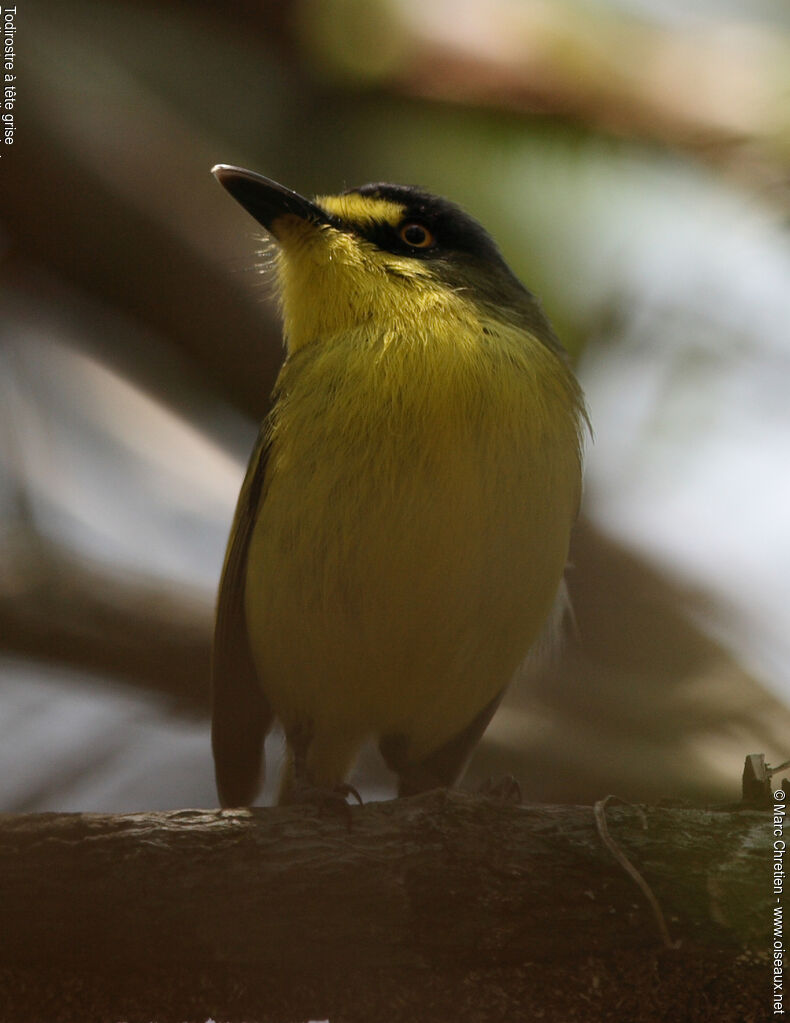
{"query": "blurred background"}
[(632, 159)]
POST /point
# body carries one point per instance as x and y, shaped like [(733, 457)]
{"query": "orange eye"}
[(417, 236)]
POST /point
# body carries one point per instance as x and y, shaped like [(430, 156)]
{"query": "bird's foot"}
[(504, 790), (333, 798)]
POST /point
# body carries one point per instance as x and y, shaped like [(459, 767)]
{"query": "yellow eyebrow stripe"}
[(361, 209)]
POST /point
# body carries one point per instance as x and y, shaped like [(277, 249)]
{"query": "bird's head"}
[(381, 258)]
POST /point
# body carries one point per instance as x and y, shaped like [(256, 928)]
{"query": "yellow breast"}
[(417, 506)]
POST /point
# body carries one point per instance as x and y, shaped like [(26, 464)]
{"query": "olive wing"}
[(241, 714)]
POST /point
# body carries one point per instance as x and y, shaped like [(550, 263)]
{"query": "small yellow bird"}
[(402, 531)]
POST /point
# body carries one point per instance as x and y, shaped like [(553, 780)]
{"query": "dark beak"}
[(265, 199)]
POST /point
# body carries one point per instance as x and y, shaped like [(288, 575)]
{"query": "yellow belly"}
[(409, 544)]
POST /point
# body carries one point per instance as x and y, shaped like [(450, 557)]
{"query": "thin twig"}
[(603, 830)]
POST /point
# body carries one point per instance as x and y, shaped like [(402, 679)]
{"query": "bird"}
[(402, 532)]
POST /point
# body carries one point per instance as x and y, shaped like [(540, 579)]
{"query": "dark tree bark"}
[(445, 906)]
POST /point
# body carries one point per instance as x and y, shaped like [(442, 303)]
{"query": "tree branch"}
[(301, 909), (58, 606)]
